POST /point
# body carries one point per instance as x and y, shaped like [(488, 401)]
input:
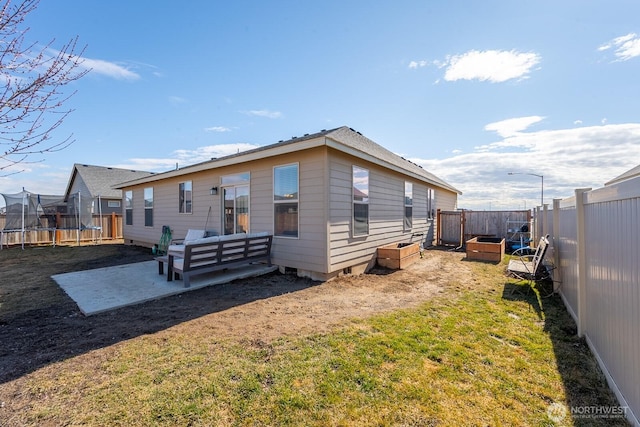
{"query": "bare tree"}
[(31, 80)]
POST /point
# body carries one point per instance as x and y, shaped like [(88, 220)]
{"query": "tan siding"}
[(445, 200), (386, 212), (261, 193), (309, 252)]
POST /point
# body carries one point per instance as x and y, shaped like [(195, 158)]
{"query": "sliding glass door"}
[(236, 209)]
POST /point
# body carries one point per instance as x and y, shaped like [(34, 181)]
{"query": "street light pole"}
[(541, 184)]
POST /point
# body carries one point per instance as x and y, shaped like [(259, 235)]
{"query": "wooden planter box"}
[(398, 255), (485, 249)]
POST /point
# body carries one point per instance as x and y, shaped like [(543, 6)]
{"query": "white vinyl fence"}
[(596, 249)]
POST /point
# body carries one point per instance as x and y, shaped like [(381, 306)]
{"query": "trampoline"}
[(27, 213)]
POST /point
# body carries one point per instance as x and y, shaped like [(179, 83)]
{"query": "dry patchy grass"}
[(470, 354)]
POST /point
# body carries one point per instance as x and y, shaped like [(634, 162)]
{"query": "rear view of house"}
[(330, 199)]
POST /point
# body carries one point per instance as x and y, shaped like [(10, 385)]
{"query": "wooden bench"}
[(218, 254)]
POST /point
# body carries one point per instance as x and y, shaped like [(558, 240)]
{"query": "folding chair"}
[(531, 268)]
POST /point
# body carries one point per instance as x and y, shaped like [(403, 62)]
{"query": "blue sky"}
[(470, 90)]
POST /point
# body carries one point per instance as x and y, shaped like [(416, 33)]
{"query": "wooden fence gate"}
[(456, 227)]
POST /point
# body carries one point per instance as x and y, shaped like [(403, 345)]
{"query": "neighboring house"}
[(330, 199), (97, 183)]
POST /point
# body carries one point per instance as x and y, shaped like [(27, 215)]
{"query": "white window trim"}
[(144, 196), (128, 207), (179, 206), (297, 200), (354, 202), (406, 205)]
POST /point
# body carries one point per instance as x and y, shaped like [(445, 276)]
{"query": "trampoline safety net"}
[(27, 211)]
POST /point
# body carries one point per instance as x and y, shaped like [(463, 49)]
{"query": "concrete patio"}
[(103, 289)]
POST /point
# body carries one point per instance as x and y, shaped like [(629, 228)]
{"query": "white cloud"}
[(511, 127), (567, 158), (102, 67), (185, 157), (217, 129), (109, 69), (495, 66), (625, 47), (265, 113), (208, 152), (418, 64), (577, 122), (148, 164), (37, 177)]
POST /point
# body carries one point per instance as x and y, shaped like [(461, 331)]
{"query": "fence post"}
[(58, 236), (438, 225), (532, 232), (557, 279), (545, 226), (582, 257), (114, 226), (537, 217), (463, 227)]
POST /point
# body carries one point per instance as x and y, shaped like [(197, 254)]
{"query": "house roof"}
[(631, 173), (100, 180), (342, 139), (364, 145)]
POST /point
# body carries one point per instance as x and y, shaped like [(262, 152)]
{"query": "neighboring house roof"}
[(100, 180), (631, 173), (343, 139)]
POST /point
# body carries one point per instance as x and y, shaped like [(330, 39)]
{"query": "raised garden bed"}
[(398, 255), (485, 249)]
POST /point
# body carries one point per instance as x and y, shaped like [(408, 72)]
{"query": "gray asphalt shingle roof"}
[(345, 138), (355, 140), (361, 143), (101, 179)]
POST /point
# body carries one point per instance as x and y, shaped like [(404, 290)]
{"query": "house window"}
[(360, 201), (128, 207), (408, 206), (113, 203), (184, 197), (148, 207), (285, 200), (430, 212)]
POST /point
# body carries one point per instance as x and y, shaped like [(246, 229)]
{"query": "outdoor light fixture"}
[(541, 184), (214, 191)]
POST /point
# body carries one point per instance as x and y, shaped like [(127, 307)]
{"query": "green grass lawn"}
[(473, 355)]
